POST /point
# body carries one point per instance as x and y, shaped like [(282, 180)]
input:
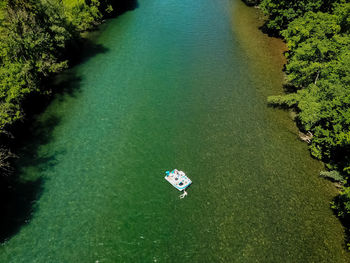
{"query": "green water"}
[(172, 84)]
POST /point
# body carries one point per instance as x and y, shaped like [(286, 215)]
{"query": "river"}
[(174, 84)]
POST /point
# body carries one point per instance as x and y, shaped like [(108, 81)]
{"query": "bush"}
[(333, 175)]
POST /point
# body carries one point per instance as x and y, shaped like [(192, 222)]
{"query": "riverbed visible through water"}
[(174, 84)]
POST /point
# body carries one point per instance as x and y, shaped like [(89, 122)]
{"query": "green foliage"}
[(333, 175), (319, 68), (315, 45), (342, 13), (311, 25), (84, 15), (9, 113), (33, 37), (318, 37), (109, 9), (282, 12), (285, 100)]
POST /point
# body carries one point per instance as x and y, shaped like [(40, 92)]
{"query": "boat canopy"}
[(178, 179)]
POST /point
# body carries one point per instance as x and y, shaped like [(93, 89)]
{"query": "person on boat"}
[(183, 195)]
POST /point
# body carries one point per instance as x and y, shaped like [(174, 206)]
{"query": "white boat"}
[(178, 179)]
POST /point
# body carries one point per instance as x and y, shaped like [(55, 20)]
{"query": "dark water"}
[(176, 84)]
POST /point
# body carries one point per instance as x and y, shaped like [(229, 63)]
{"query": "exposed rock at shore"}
[(306, 137)]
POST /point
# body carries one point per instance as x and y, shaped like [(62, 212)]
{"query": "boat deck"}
[(178, 179)]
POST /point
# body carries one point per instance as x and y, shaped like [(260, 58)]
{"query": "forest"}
[(317, 85)]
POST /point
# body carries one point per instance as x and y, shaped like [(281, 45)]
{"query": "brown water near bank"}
[(266, 53), (267, 59)]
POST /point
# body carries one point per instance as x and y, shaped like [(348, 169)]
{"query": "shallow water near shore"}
[(175, 84)]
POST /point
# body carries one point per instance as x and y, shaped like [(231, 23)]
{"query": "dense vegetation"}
[(318, 81), (281, 13), (34, 39)]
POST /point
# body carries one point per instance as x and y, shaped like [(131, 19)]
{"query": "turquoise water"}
[(171, 85)]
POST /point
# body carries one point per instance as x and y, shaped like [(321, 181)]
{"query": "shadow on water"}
[(289, 88), (16, 204), (82, 50), (266, 30), (122, 6), (18, 194)]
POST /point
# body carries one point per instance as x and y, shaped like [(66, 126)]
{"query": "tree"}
[(32, 39), (282, 12)]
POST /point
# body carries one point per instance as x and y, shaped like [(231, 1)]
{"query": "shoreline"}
[(302, 135)]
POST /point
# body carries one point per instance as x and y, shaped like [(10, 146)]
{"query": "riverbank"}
[(29, 83), (316, 85), (30, 59)]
